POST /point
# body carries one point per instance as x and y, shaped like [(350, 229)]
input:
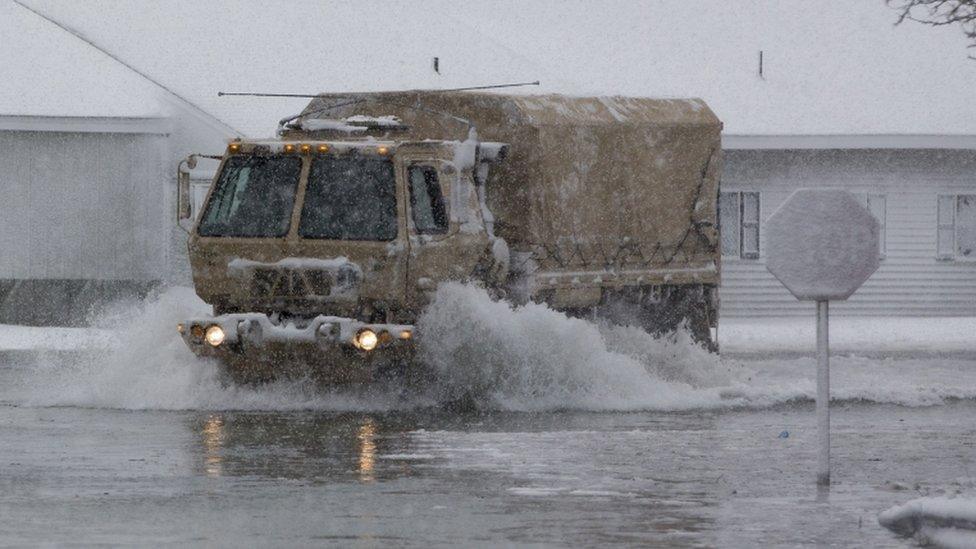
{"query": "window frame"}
[(744, 225), (951, 225)]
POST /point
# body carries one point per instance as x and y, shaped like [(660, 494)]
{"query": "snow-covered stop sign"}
[(822, 244)]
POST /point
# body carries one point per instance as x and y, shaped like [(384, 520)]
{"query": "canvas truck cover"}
[(594, 190)]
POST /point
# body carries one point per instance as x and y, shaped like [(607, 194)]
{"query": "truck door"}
[(440, 250)]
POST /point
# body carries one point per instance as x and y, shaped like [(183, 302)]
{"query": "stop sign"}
[(822, 244)]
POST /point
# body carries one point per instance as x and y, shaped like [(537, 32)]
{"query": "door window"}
[(427, 201)]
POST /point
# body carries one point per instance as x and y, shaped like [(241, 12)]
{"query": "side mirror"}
[(184, 208)]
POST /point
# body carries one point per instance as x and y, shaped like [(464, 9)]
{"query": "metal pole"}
[(823, 395)]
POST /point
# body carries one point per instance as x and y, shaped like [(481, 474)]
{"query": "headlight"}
[(215, 335), (366, 339)]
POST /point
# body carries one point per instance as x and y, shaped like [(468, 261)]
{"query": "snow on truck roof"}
[(844, 70), (528, 110)]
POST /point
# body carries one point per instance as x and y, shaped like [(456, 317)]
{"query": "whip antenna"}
[(314, 95)]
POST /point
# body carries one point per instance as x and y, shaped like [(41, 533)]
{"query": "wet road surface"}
[(722, 478)]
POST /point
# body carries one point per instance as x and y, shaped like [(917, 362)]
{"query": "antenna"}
[(287, 119), (314, 95)]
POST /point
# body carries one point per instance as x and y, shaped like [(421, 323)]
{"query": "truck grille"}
[(300, 282)]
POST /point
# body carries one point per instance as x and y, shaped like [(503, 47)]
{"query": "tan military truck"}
[(319, 249)]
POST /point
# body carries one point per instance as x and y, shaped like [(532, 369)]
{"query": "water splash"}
[(533, 358), (497, 356)]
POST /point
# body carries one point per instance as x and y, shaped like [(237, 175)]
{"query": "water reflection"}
[(367, 449), (213, 442), (301, 446)]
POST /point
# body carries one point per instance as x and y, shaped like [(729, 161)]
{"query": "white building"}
[(100, 101), (924, 195)]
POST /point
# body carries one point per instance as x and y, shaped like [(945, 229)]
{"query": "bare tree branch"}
[(939, 13)]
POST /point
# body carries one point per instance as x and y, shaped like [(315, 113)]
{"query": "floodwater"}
[(695, 479), (581, 435)]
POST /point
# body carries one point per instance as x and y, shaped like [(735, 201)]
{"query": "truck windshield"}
[(350, 198), (253, 197)]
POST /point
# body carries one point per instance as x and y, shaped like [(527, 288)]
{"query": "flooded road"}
[(430, 477), (581, 434)]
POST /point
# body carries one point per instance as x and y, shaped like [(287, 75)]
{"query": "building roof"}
[(199, 48), (831, 67), (837, 71), (45, 72)]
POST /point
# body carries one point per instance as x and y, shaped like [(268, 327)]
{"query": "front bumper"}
[(325, 346)]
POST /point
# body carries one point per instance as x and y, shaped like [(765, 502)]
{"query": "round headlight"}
[(215, 335), (366, 339)]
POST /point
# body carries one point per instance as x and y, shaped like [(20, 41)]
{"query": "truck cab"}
[(348, 228)]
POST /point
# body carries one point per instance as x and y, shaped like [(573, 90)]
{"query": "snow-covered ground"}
[(938, 521), (849, 334), (34, 338)]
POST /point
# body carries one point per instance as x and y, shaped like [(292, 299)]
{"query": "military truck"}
[(318, 249)]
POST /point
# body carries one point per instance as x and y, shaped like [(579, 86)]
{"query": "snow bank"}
[(939, 521), (849, 334), (31, 338)]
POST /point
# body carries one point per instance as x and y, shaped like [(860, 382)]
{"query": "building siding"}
[(83, 206), (911, 280)]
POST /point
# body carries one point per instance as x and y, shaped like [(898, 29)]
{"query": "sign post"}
[(822, 244), (823, 394)]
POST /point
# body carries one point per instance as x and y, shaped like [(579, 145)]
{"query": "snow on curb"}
[(35, 338), (849, 334), (941, 521)]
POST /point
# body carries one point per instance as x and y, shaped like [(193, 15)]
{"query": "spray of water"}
[(497, 356), (533, 358)]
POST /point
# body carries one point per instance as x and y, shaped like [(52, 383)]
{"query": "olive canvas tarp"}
[(590, 184)]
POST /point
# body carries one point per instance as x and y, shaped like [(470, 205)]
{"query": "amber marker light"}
[(322, 148), (305, 148), (234, 147), (197, 331), (382, 150), (406, 334), (289, 148)]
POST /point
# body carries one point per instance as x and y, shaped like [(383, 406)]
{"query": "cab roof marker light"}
[(234, 147), (289, 148), (323, 148), (305, 148), (382, 149)]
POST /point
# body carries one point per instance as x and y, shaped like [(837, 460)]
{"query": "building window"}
[(957, 226), (877, 205), (739, 224)]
